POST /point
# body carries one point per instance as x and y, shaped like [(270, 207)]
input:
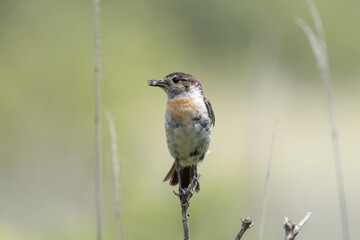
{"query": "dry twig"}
[(245, 225), (318, 45), (185, 197), (291, 229)]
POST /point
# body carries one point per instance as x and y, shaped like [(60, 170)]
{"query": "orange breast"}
[(181, 109)]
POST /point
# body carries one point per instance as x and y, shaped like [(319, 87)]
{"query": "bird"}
[(188, 120)]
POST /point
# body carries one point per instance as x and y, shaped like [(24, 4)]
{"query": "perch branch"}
[(245, 225), (318, 45), (185, 197), (291, 229)]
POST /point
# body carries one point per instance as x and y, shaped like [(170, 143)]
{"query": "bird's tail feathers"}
[(186, 175)]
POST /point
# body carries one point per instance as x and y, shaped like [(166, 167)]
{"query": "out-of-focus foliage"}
[(256, 67)]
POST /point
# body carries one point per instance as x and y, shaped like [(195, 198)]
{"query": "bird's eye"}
[(176, 79)]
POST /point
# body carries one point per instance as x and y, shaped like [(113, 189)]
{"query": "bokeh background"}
[(256, 67)]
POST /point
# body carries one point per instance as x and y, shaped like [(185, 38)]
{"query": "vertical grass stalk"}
[(318, 45), (97, 104), (116, 173), (265, 191)]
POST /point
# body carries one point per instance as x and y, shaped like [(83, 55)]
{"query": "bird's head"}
[(179, 84)]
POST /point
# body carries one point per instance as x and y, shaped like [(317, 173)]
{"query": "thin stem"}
[(318, 45), (265, 192), (116, 173), (97, 71)]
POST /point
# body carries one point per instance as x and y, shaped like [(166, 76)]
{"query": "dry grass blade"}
[(265, 192), (318, 25), (97, 71), (116, 173), (318, 45)]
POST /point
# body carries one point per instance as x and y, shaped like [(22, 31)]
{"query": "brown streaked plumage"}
[(188, 118)]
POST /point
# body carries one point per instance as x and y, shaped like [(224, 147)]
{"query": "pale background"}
[(257, 69)]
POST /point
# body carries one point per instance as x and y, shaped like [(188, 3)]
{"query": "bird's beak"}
[(158, 83)]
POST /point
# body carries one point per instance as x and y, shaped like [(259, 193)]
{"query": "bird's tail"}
[(186, 175)]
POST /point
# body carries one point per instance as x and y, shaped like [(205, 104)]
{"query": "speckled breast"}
[(188, 131)]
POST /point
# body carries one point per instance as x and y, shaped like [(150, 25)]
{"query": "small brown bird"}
[(188, 118)]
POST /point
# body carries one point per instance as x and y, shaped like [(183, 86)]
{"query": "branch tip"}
[(246, 223), (291, 229)]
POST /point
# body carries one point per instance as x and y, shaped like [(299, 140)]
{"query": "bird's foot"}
[(184, 196), (196, 179)]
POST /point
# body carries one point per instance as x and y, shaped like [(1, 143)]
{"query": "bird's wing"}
[(210, 111)]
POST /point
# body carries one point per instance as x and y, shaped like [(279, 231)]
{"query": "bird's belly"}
[(188, 141)]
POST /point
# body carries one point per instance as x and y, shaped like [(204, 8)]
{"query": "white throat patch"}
[(194, 92)]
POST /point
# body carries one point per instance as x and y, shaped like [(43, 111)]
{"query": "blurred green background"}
[(256, 67)]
